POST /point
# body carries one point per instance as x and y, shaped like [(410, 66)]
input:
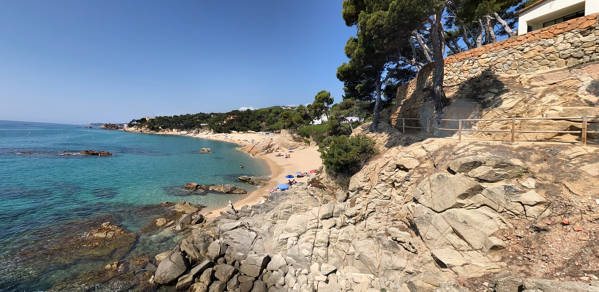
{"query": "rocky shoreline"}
[(433, 215), (415, 219)]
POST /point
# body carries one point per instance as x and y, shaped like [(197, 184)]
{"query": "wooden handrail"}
[(430, 127)]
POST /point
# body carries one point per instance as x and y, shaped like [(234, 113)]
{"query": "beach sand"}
[(302, 158)]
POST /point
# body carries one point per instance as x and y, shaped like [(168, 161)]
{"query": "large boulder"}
[(461, 238), (240, 239), (254, 264), (170, 268), (223, 272), (186, 280), (196, 245), (442, 191), (488, 168)]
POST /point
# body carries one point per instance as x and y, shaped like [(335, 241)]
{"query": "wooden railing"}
[(429, 126)]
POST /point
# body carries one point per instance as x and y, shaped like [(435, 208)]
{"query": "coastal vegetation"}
[(396, 38), (343, 155)]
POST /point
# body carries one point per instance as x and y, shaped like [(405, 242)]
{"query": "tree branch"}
[(504, 24), (425, 49)]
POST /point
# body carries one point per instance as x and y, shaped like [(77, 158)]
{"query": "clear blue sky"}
[(73, 61)]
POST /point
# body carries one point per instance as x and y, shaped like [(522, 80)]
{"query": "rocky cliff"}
[(423, 216)]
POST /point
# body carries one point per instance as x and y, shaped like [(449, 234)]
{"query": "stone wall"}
[(475, 74), (562, 45)]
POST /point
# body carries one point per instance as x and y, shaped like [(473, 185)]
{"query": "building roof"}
[(531, 6)]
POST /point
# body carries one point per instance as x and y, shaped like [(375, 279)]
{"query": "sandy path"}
[(302, 159)]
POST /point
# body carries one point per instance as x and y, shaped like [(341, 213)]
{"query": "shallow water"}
[(40, 190)]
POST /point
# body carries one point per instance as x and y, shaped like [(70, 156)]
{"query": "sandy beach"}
[(301, 158)]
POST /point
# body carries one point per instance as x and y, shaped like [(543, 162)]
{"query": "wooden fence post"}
[(513, 130), (460, 130), (583, 137), (403, 125)]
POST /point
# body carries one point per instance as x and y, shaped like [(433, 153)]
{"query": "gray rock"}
[(326, 211), (442, 191), (240, 239), (275, 278), (254, 264), (216, 249), (341, 196), (198, 287), (223, 272), (196, 245), (186, 280), (488, 168), (246, 286), (197, 218), (253, 180), (226, 189), (170, 268), (233, 283), (276, 263), (259, 286), (206, 276), (217, 286), (465, 164), (183, 222), (327, 269)]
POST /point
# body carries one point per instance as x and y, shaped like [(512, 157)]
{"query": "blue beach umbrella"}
[(283, 187), (289, 176)]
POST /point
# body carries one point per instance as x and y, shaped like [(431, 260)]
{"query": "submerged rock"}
[(215, 188), (253, 180), (95, 153)]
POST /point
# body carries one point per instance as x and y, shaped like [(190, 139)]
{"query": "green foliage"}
[(343, 155), (265, 119), (317, 132), (321, 104)]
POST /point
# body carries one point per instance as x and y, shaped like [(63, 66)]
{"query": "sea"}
[(48, 192)]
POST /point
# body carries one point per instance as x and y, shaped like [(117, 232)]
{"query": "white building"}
[(321, 120), (545, 13)]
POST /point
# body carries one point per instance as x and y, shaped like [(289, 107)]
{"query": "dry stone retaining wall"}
[(562, 45)]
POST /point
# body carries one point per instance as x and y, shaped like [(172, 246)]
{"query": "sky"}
[(73, 61)]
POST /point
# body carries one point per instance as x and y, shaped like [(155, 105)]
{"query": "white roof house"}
[(545, 13)]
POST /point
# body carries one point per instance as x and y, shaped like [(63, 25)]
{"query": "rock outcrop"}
[(430, 215), (253, 180), (215, 188)]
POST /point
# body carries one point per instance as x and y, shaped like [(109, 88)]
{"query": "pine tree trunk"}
[(439, 67), (479, 37), (377, 105), (490, 30), (424, 47), (506, 27), (465, 38)]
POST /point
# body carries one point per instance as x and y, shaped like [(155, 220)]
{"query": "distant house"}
[(544, 13), (321, 120), (352, 119)]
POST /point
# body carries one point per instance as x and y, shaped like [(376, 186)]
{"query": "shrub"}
[(316, 132), (319, 133), (344, 155)]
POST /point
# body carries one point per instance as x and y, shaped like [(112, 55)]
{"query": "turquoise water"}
[(40, 189)]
